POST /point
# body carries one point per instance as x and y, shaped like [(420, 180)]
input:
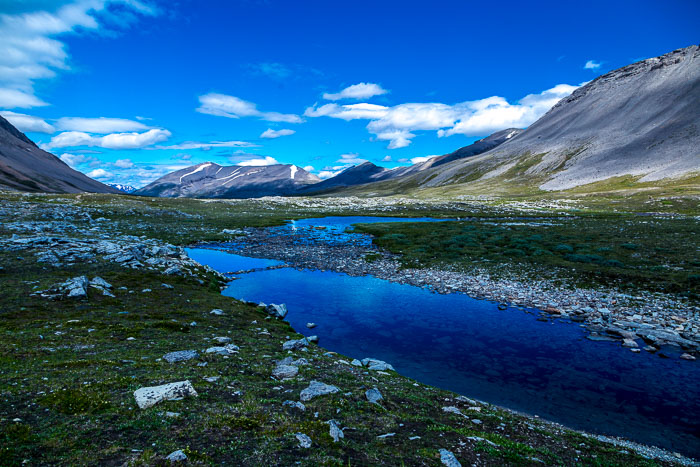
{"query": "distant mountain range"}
[(122, 188), (25, 167), (641, 121), (210, 180)]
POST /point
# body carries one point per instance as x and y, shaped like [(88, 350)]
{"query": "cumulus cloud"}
[(29, 50), (74, 160), (14, 98), (418, 160), (324, 174), (357, 91), (349, 159), (309, 168), (207, 145), (99, 173), (27, 123), (110, 141), (270, 133), (124, 163), (398, 124), (101, 125), (592, 65), (223, 105), (386, 159), (258, 162)]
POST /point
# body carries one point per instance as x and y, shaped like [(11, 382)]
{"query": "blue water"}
[(470, 347)]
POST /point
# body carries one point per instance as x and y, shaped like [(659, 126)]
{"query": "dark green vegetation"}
[(626, 251), (68, 369)]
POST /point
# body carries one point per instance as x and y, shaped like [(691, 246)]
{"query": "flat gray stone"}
[(449, 459), (285, 371), (304, 440), (228, 349), (295, 404), (149, 396), (376, 365), (317, 388), (374, 396), (176, 456), (180, 356)]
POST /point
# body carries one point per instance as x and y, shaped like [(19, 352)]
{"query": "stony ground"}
[(117, 349)]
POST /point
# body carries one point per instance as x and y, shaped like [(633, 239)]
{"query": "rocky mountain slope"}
[(639, 121), (25, 167), (369, 172), (210, 180)]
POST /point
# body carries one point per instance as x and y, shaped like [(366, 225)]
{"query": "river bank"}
[(648, 321)]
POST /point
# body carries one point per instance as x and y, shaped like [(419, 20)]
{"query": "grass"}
[(68, 369), (629, 252)]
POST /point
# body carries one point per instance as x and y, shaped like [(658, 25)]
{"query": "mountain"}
[(369, 172), (25, 167), (122, 188), (640, 121), (355, 175), (209, 180)]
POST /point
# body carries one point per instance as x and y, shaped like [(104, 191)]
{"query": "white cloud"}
[(207, 145), (592, 65), (259, 162), (110, 141), (399, 123), (124, 163), (223, 105), (75, 160), (418, 160), (309, 168), (270, 133), (349, 159), (27, 123), (99, 173), (14, 98), (29, 51), (386, 159), (357, 91), (101, 125), (324, 174)]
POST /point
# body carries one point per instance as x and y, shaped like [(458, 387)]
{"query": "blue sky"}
[(129, 90)]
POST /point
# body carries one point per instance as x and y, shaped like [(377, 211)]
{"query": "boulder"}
[(335, 431), (304, 441), (373, 395), (176, 456), (180, 356), (449, 459), (377, 365), (315, 389), (228, 349), (277, 311), (285, 371), (295, 404), (150, 396), (296, 344)]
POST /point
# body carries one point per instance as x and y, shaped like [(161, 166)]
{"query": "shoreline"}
[(645, 321)]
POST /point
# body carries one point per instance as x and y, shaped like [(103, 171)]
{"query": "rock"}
[(335, 431), (631, 343), (221, 340), (276, 311), (310, 325), (453, 410), (304, 441), (228, 349), (173, 271), (217, 312), (212, 379), (449, 459), (377, 365), (373, 395), (356, 362), (387, 435), (687, 356), (180, 356), (296, 344), (317, 388), (285, 371), (295, 404), (150, 396), (176, 456), (102, 285)]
